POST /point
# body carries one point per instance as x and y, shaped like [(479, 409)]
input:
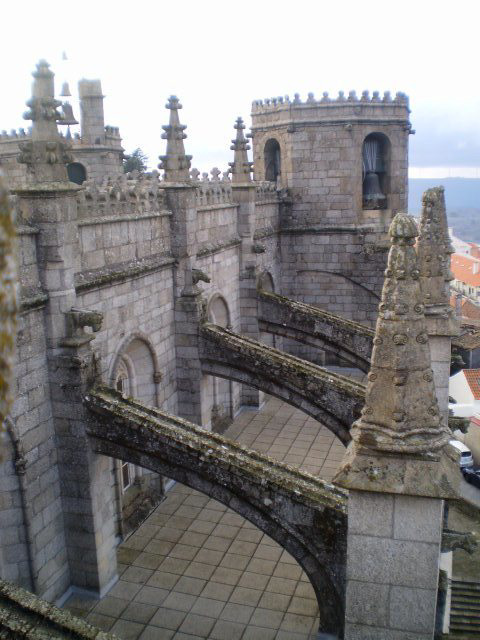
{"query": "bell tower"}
[(344, 162)]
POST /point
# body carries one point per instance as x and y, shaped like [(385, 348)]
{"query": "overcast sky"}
[(219, 56)]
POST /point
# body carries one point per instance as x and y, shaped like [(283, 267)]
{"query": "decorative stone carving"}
[(77, 320), (401, 419), (452, 540), (47, 153), (199, 276), (240, 167), (175, 163), (434, 249)]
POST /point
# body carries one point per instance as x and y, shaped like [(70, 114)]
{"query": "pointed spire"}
[(401, 412), (434, 249), (396, 442), (46, 154), (240, 167), (175, 163)]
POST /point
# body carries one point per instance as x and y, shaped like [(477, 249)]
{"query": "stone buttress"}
[(434, 249), (244, 194), (180, 197), (395, 468), (81, 549)]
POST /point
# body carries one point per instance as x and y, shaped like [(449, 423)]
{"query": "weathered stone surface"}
[(412, 609), (332, 399), (175, 163), (8, 304), (401, 428), (284, 317), (367, 603), (416, 518), (304, 514), (240, 167), (24, 615)]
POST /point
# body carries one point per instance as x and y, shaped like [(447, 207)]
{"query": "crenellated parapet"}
[(14, 134), (266, 191), (216, 189), (123, 195), (341, 107)]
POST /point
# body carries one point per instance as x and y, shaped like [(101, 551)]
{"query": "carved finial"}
[(45, 154), (195, 174), (398, 438), (434, 249), (240, 167), (175, 163), (401, 413), (215, 173)]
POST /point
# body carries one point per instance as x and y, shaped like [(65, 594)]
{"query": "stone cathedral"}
[(152, 308)]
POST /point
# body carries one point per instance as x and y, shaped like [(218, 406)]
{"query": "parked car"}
[(466, 458), (472, 476)]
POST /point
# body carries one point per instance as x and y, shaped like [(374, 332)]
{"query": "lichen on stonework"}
[(8, 304)]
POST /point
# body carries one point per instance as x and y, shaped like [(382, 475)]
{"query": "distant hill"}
[(462, 196), (459, 192)]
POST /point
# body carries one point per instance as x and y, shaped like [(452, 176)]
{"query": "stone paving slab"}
[(196, 570)]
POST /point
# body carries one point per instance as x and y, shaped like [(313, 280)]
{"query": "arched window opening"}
[(138, 490), (76, 172), (218, 391), (375, 157), (265, 282), (122, 382), (218, 312), (272, 158)]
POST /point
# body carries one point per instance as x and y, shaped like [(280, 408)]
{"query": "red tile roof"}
[(474, 250), (466, 269), (468, 310), (472, 376)]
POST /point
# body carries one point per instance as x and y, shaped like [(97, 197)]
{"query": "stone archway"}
[(135, 373), (218, 391), (304, 514)]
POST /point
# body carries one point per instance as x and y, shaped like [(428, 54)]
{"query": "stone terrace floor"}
[(196, 570)]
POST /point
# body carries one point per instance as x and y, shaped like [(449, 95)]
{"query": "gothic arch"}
[(217, 396), (272, 158), (312, 529), (376, 155), (218, 311), (136, 357), (265, 282)]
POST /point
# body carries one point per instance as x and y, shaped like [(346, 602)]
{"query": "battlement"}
[(214, 190), (265, 191), (128, 194), (112, 136), (342, 108), (15, 134)]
